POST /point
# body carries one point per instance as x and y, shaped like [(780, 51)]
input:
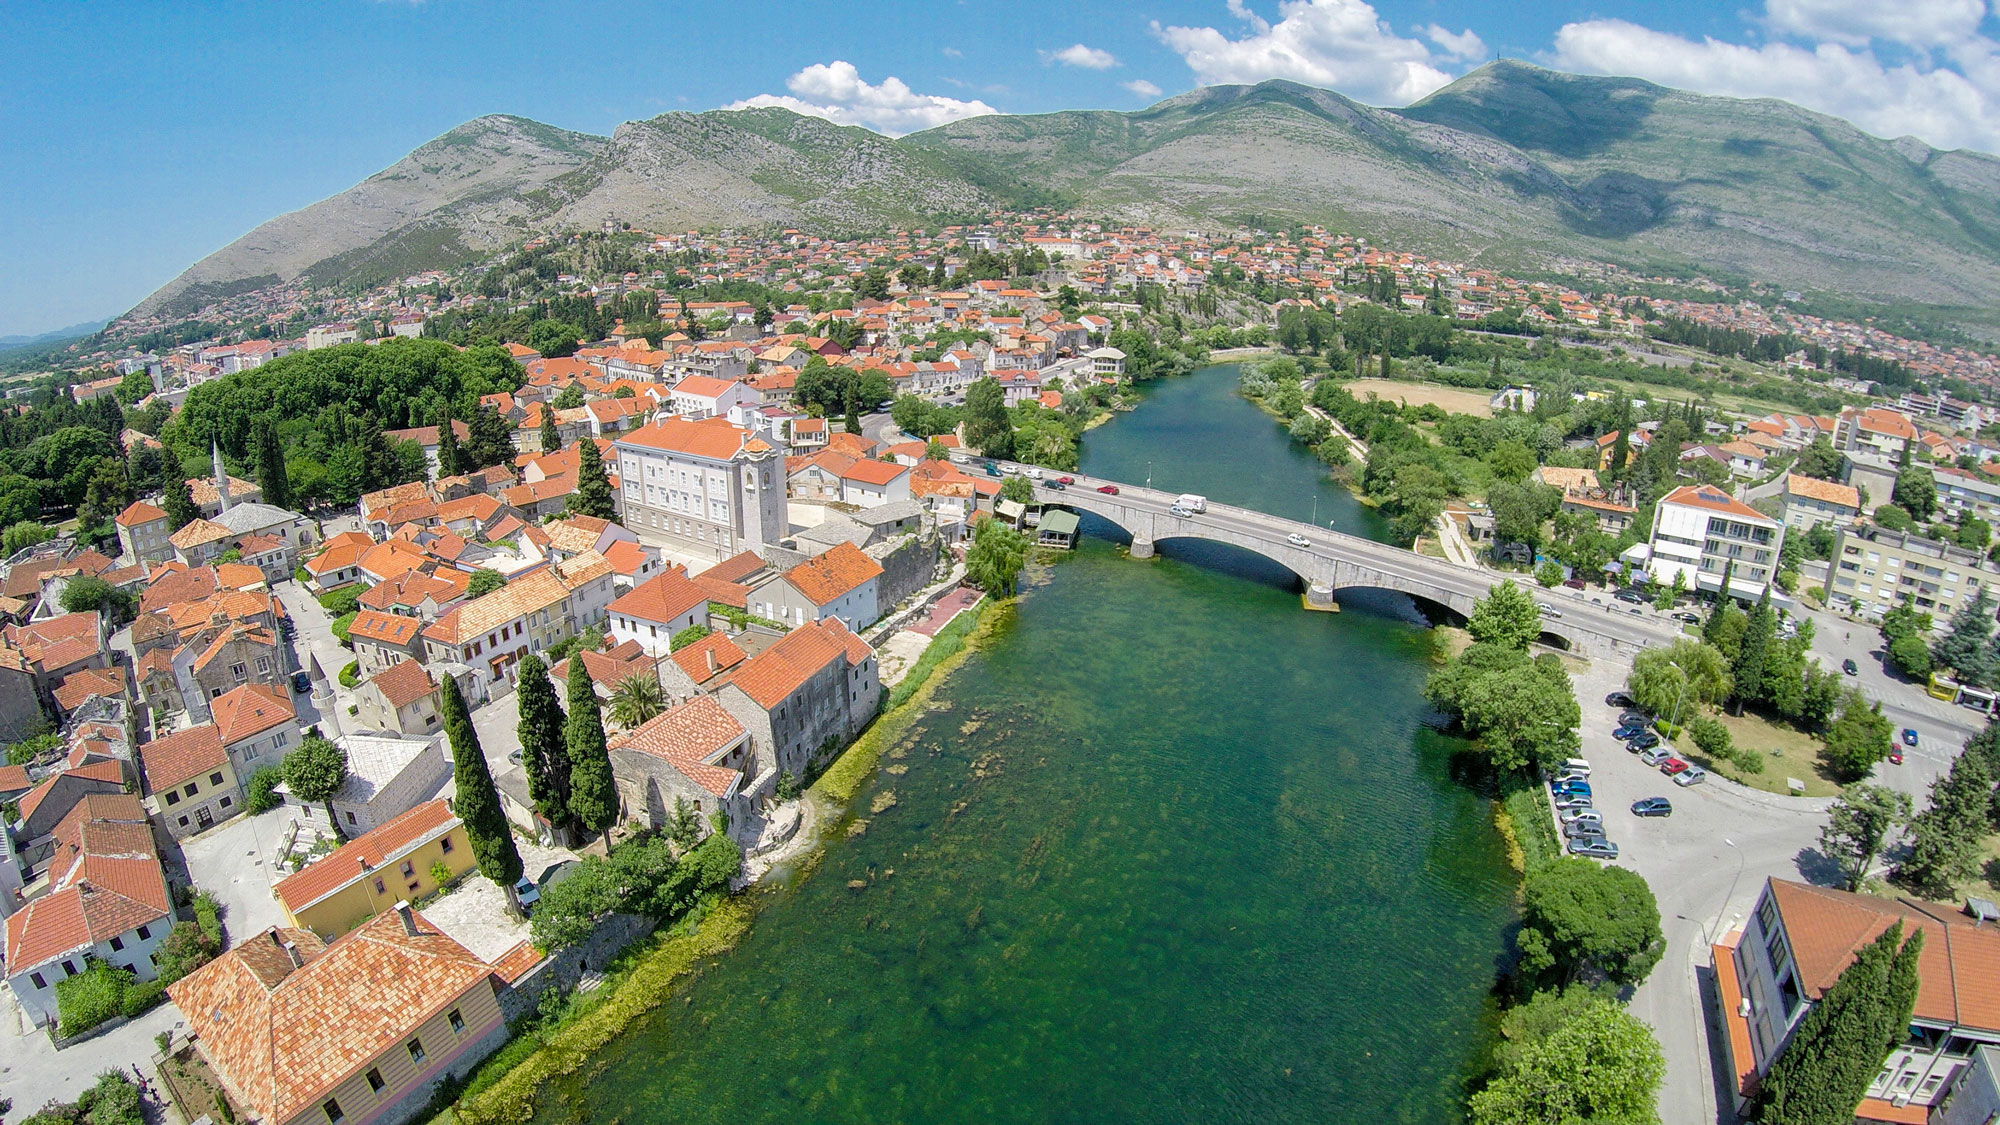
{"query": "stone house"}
[(695, 752), (401, 698), (839, 583), (802, 697)]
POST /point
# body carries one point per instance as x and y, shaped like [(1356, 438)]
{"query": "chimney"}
[(292, 951), (710, 653), (408, 916)]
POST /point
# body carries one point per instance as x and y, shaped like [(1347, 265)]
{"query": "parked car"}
[(1628, 731), (1633, 717), (1850, 667), (1548, 610), (1055, 484), (1066, 481), (1632, 596), (527, 894), (1573, 583), (286, 628), (1568, 816), (1108, 489), (1693, 775), (1672, 766), (1910, 736), (302, 683), (1593, 847), (1689, 618), (1647, 740), (1654, 755), (1619, 699), (1653, 806), (1573, 801), (1578, 828), (1895, 756), (1573, 789), (1034, 473), (1297, 540)]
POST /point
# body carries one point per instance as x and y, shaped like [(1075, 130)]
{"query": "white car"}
[(1034, 474), (1548, 610), (1297, 540)]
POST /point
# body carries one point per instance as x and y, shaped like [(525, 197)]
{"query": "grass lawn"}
[(1787, 753)]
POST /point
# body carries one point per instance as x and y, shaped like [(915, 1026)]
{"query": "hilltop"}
[(1512, 165)]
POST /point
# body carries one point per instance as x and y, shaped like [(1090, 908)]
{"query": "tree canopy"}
[(1579, 917), (1601, 1067), (316, 771), (477, 802), (1507, 617), (1838, 1048), (593, 796)]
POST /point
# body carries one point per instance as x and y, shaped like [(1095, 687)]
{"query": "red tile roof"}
[(709, 657), (661, 598), (1959, 967), (404, 682), (686, 737), (363, 854), (1713, 499), (772, 676), (170, 760), (829, 576), (250, 710), (736, 567)]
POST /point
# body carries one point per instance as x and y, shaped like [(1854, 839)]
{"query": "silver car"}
[(1593, 847), (1577, 828)]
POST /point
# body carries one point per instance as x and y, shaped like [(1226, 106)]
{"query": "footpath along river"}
[(1167, 848)]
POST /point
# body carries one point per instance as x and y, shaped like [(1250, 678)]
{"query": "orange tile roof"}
[(139, 512), (873, 472), (250, 710), (661, 598), (1826, 491), (174, 758), (713, 438), (79, 687), (829, 576), (709, 657), (1711, 498), (772, 676), (68, 920), (282, 1037), (404, 682), (1959, 966), (489, 611), (385, 628), (686, 737), (363, 854)]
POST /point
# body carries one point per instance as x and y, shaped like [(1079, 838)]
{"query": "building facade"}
[(1700, 531), (707, 487), (1874, 568)]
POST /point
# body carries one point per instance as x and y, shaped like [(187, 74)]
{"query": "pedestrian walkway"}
[(947, 607)]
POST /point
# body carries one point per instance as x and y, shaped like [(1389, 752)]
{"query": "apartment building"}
[(1699, 531), (1808, 501), (708, 487), (490, 633), (1875, 568)]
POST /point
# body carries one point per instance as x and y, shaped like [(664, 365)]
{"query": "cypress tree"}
[(478, 803), (179, 501), (271, 476), (593, 796), (451, 459), (1840, 1045), (593, 485), (1757, 638), (542, 749), (551, 437), (1721, 596), (490, 439), (1621, 446)]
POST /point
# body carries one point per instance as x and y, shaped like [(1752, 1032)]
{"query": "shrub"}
[(345, 600), (1750, 761), (341, 624), (350, 676), (440, 873), (688, 636), (263, 789), (1711, 737), (91, 997), (141, 996)]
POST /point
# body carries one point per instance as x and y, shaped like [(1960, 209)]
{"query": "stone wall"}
[(909, 563), (564, 968)]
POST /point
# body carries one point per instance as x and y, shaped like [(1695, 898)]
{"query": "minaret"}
[(221, 477)]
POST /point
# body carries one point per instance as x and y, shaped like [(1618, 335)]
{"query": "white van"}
[(1575, 765), (1192, 502)]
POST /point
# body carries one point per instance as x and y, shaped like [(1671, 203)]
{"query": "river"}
[(1168, 848)]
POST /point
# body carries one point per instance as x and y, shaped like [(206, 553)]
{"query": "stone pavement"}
[(33, 1072)]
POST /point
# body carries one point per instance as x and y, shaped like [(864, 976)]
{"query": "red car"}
[(1067, 480), (1108, 489), (1895, 757), (1672, 766)]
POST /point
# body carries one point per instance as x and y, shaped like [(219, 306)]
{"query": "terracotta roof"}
[(197, 533), (686, 737), (736, 567), (176, 757), (873, 472), (1713, 499), (610, 668), (714, 438), (404, 682), (366, 852), (772, 676), (393, 629), (1959, 966), (827, 577), (178, 582), (238, 576), (250, 710), (139, 512), (79, 687), (69, 920), (488, 612), (709, 657), (661, 598), (1812, 488), (57, 642), (282, 1037)]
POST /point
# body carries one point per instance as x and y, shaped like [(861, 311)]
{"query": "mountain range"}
[(1512, 166)]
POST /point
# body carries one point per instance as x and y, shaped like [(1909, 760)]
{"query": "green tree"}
[(1967, 646), (1677, 679), (1916, 493), (476, 801), (593, 485), (1603, 1067), (1857, 739), (1507, 617), (1523, 712), (489, 439), (272, 479), (1018, 489), (636, 699), (484, 581), (1577, 917), (1821, 460), (23, 535), (995, 559), (1945, 837), (1840, 1044), (87, 594), (1858, 825), (1511, 461), (687, 636), (1549, 575), (593, 796), (1758, 636), (551, 435), (316, 771), (988, 427), (544, 752), (1520, 510), (179, 501), (451, 459), (555, 339)]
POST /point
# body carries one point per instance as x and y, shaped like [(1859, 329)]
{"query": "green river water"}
[(1168, 848)]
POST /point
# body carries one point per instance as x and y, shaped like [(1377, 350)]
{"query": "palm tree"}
[(637, 698)]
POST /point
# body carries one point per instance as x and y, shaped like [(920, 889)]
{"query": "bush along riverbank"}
[(561, 1039)]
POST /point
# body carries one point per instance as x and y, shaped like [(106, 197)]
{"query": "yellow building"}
[(373, 872), (190, 783)]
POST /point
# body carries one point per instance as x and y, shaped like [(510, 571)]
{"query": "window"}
[(379, 888), (409, 870), (69, 968), (457, 1021), (236, 670), (145, 933), (225, 802), (37, 978), (263, 664), (184, 822), (444, 843), (215, 779), (375, 1082), (174, 798), (191, 789), (416, 1051), (350, 818), (117, 944), (332, 1108)]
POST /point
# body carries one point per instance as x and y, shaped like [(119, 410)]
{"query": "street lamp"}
[(1149, 474)]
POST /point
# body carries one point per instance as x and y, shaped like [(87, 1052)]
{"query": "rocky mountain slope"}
[(1512, 166)]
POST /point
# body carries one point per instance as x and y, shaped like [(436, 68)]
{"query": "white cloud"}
[(1942, 106), (837, 92), (953, 53), (1918, 23), (1142, 88), (1341, 44), (1461, 47), (1076, 54)]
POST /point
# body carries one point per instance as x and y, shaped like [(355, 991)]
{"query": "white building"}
[(1699, 531), (705, 486)]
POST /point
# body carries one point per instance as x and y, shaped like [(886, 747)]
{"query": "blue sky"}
[(141, 136)]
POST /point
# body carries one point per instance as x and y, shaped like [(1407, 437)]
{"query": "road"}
[(1706, 864), (320, 653), (1632, 631)]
